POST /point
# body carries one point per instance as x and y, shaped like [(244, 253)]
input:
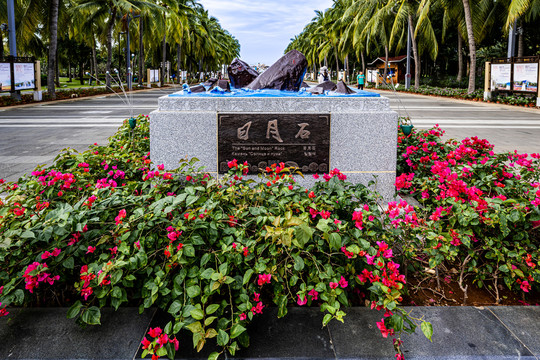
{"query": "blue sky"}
[(264, 27)]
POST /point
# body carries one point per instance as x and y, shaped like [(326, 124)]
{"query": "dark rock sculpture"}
[(224, 84), (241, 74), (197, 89), (285, 74), (210, 83), (342, 88), (304, 85), (322, 87)]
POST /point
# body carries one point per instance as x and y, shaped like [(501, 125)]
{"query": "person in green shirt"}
[(361, 78)]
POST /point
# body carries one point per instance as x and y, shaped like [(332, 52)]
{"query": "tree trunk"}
[(363, 61), (81, 72), (460, 57), (417, 68), (179, 62), (52, 49), (69, 71), (163, 56), (346, 67), (385, 62), (141, 53), (520, 44), (109, 46), (94, 59), (57, 75), (1, 45), (337, 66), (472, 46)]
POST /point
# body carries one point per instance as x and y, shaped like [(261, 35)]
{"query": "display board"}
[(500, 76), (154, 75), (5, 76), (526, 77), (371, 76), (24, 76)]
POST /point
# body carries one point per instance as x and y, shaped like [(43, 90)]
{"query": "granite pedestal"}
[(363, 132)]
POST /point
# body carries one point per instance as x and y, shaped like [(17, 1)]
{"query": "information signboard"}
[(500, 76), (526, 77), (25, 77), (5, 76)]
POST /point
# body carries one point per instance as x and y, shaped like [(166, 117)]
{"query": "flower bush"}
[(106, 228), (479, 214)]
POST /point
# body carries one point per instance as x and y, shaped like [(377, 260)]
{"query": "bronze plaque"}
[(300, 140)]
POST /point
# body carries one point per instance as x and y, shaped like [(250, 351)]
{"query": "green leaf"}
[(282, 306), (427, 329), (28, 235), (236, 330), (197, 314), (175, 307), (298, 263), (335, 241), (212, 309), (195, 327), (326, 319), (247, 276), (69, 263), (193, 291), (213, 356), (74, 310), (92, 316), (222, 338)]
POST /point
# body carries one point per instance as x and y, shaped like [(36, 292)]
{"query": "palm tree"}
[(53, 30), (112, 9)]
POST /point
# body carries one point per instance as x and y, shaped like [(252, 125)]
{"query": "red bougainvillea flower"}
[(302, 300), (121, 215), (333, 285), (155, 332), (314, 294), (264, 279), (245, 251), (242, 316), (343, 282), (384, 331)]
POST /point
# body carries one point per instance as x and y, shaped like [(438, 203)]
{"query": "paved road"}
[(34, 135), (509, 128)]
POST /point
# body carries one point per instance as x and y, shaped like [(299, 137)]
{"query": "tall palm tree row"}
[(354, 28), (156, 27)]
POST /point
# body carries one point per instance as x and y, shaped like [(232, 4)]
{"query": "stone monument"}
[(353, 131)]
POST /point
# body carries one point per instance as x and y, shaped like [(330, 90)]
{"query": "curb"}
[(42, 103), (460, 332), (462, 101)]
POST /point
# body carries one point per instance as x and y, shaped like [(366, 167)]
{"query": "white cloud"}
[(264, 27)]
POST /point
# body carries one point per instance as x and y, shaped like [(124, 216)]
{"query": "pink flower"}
[(525, 286), (333, 285), (343, 282), (314, 294), (145, 343), (264, 279), (138, 245), (256, 296), (243, 316), (91, 249), (325, 214), (384, 331), (301, 301), (155, 332)]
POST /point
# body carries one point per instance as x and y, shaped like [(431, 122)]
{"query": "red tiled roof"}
[(390, 59)]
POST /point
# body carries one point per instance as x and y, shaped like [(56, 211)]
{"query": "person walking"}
[(361, 79)]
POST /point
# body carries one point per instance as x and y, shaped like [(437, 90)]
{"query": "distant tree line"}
[(449, 36), (91, 35)]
